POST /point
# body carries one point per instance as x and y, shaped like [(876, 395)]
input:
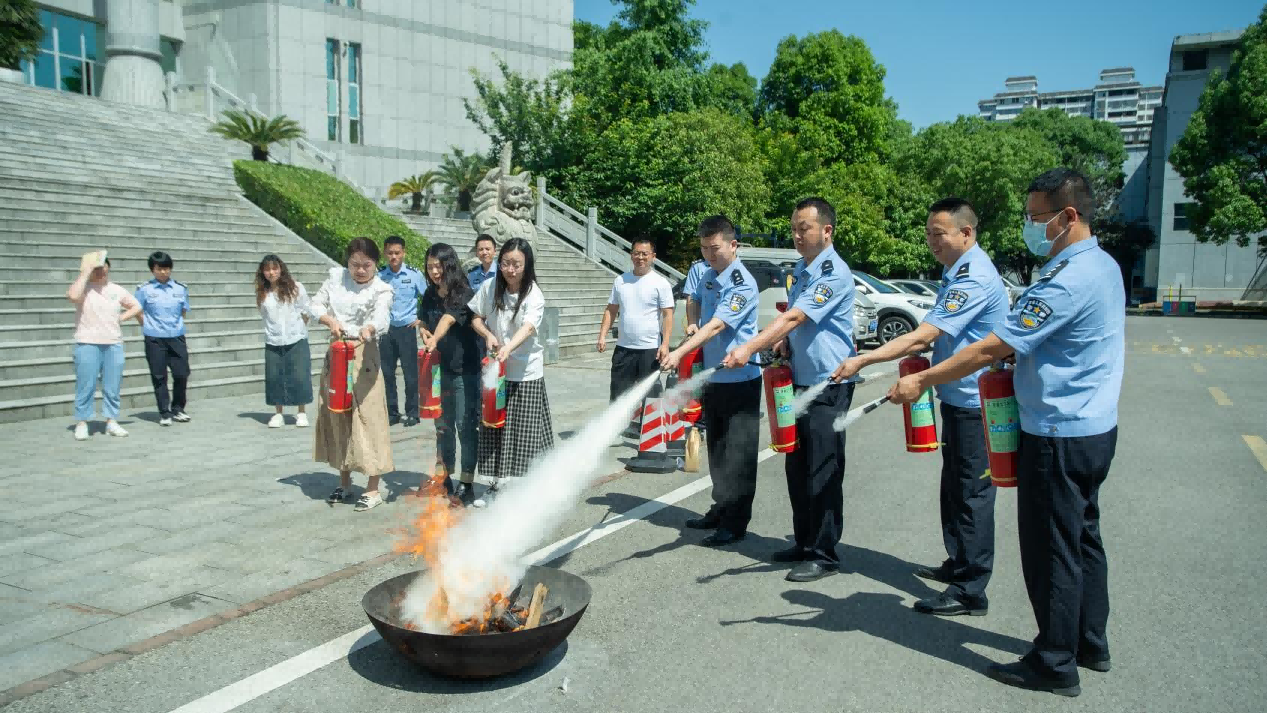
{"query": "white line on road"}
[(296, 667)]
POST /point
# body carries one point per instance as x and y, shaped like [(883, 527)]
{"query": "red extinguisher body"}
[(778, 401), (428, 384), (693, 411), (1000, 416), (339, 389), (494, 411), (921, 426)]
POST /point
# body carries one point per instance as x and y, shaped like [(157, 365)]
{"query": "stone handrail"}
[(584, 232)]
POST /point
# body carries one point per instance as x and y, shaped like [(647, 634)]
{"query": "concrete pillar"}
[(133, 72)]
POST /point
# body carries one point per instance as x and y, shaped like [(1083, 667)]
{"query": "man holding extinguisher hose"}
[(971, 303), (1067, 333), (816, 332)]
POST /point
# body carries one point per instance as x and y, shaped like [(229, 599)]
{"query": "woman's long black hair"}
[(457, 290), (529, 274)]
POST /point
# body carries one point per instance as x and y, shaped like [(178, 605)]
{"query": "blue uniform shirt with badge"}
[(731, 297), (971, 303), (477, 275), (691, 285), (1068, 332), (164, 305), (408, 286), (824, 291)]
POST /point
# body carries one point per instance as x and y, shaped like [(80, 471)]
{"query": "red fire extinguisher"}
[(693, 411), (1002, 421), (428, 384), (342, 376), (778, 403), (494, 415), (921, 427)]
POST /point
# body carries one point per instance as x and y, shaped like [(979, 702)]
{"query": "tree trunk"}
[(416, 206), (259, 154), (464, 200)]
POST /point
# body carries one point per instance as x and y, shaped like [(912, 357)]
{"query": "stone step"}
[(107, 201), (64, 317), (247, 263), (62, 140), (64, 363), (136, 375), (292, 254), (97, 151), (190, 274), (32, 220), (132, 341), (195, 324), (172, 241), (39, 289), (104, 174), (49, 206), (41, 185), (170, 125), (49, 300), (16, 97), (119, 180)]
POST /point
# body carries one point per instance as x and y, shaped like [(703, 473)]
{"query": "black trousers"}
[(161, 354), (629, 366), (400, 344), (733, 414), (816, 473), (1062, 555), (967, 503)]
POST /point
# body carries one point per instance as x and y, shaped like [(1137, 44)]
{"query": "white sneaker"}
[(301, 420), (164, 422), (81, 431), (368, 501), (277, 421), (180, 417), (114, 429)]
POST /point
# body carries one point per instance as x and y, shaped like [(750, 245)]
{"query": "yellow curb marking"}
[(1259, 448), (1198, 368), (1220, 398)]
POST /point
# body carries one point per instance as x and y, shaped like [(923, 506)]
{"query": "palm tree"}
[(258, 131), (414, 187), (462, 173), (20, 33)]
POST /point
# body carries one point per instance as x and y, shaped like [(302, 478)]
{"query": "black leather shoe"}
[(722, 537), (393, 419), (708, 522), (1098, 665), (466, 493), (946, 605), (791, 554), (940, 573), (810, 572), (1019, 674)]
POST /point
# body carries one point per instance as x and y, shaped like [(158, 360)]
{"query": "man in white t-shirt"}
[(643, 301)]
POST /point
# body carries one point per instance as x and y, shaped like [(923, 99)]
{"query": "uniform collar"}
[(387, 271), (734, 265), (968, 256), (170, 284), (828, 253), (1079, 247)]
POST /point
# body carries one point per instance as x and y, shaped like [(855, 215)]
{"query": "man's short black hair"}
[(393, 240), (158, 258), (642, 240), (485, 236), (826, 213), (1064, 187), (717, 224), (958, 208)]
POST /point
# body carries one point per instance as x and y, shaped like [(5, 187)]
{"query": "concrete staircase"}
[(78, 174), (571, 282)]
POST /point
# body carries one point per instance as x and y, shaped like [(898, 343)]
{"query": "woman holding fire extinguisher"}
[(446, 329), (508, 312), (355, 305)]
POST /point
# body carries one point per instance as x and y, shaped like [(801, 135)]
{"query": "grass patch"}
[(322, 209)]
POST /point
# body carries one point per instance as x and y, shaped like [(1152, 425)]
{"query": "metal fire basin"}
[(483, 655)]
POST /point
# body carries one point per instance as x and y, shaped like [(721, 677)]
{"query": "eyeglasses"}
[(511, 265), (1031, 218)]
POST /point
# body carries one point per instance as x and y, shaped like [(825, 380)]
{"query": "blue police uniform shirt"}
[(824, 291), (164, 305), (1069, 334), (408, 286), (691, 285), (731, 297), (971, 303), (476, 275)]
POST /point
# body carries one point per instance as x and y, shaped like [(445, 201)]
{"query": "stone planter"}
[(12, 75)]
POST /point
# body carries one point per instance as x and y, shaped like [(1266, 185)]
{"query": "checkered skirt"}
[(508, 451)]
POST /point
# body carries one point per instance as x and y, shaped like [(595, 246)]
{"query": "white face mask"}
[(1035, 236)]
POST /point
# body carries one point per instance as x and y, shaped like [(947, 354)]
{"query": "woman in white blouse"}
[(283, 303), (508, 312), (354, 304)]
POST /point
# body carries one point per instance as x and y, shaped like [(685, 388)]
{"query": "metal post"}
[(541, 202), (169, 91), (211, 100), (591, 233)]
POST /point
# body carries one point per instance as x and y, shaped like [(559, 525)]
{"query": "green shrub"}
[(322, 209)]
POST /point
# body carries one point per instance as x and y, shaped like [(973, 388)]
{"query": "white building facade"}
[(378, 84)]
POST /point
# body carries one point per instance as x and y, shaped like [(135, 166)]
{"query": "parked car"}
[(899, 312), (915, 287)]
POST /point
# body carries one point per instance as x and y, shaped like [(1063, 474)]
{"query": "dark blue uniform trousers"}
[(967, 504), (815, 474), (733, 413), (1062, 555), (401, 344)]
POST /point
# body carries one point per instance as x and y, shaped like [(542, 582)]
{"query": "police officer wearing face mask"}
[(1067, 333)]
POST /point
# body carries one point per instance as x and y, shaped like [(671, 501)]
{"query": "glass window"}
[(45, 72), (354, 62), (354, 103), (332, 52), (1181, 216), (72, 79), (46, 19), (1195, 60), (334, 117), (168, 49), (332, 128), (354, 131), (354, 93), (876, 285)]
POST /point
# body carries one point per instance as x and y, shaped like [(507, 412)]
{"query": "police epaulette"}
[(736, 277), (179, 283), (962, 272), (1052, 272)]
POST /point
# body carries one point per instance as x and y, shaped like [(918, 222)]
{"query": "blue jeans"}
[(459, 418), (93, 361)]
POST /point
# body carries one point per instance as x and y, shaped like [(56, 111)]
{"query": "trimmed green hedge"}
[(322, 209)]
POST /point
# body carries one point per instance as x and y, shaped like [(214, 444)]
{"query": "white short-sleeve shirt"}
[(640, 300), (527, 363)]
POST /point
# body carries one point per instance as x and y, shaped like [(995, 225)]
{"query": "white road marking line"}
[(1220, 397), (270, 679), (1258, 447)]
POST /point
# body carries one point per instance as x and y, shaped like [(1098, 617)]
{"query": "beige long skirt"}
[(358, 439)]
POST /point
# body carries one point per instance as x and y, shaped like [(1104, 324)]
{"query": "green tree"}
[(1222, 155), (732, 89), (20, 32), (415, 187), (529, 113), (1094, 148), (258, 131), (460, 173)]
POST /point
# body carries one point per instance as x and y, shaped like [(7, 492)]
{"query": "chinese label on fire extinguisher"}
[(501, 393), (922, 410), (435, 379), (783, 406), (1003, 424)]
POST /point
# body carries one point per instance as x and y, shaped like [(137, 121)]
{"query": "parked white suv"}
[(899, 312)]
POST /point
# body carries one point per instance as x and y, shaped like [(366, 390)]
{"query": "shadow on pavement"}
[(379, 664), (886, 569), (885, 616), (259, 416), (319, 484)]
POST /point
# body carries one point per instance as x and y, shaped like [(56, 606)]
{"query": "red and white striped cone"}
[(674, 427), (653, 454)]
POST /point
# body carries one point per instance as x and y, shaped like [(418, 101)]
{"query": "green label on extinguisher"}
[(783, 406), (922, 410), (435, 379), (501, 393), (351, 378), (1002, 424)]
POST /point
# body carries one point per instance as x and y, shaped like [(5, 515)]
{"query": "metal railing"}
[(590, 238)]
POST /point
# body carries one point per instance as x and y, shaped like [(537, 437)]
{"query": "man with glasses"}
[(642, 300), (1067, 334)]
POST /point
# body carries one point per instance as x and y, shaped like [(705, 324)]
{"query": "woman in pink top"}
[(101, 307)]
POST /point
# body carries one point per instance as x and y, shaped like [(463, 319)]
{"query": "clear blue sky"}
[(941, 59)]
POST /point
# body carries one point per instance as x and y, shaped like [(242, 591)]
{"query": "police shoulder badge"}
[(1052, 272), (1034, 312), (963, 271), (827, 268), (954, 300), (736, 277), (737, 301), (708, 285), (822, 293)]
